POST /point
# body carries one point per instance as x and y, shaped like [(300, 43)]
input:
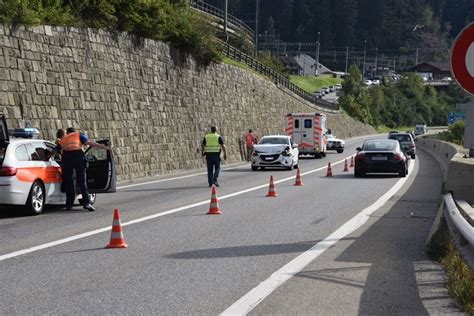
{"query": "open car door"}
[(4, 138), (101, 176)]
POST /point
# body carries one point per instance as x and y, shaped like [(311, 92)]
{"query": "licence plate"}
[(379, 158)]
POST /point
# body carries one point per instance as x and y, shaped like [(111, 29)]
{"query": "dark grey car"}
[(407, 143)]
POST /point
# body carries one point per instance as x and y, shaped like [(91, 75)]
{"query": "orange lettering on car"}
[(46, 174)]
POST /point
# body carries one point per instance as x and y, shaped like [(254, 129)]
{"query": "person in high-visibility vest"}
[(211, 147), (73, 158)]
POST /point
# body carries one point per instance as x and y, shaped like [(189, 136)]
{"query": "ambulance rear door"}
[(304, 126)]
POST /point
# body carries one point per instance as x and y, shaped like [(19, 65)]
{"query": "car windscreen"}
[(274, 141), (380, 146), (401, 138)]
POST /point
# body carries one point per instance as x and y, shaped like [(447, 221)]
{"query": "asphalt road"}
[(318, 249)]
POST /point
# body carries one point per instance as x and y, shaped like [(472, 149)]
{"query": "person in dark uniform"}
[(211, 147), (73, 158)]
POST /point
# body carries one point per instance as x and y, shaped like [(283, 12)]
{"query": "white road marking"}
[(146, 218), (250, 300)]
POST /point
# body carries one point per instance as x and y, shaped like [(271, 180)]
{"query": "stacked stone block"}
[(153, 103)]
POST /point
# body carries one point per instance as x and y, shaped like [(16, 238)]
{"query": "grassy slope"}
[(312, 84)]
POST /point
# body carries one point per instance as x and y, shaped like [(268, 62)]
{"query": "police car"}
[(29, 177)]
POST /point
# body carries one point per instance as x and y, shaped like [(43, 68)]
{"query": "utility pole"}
[(226, 6), (376, 55), (256, 27), (317, 57), (363, 65), (347, 58)]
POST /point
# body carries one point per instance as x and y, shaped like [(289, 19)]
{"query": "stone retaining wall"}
[(152, 102)]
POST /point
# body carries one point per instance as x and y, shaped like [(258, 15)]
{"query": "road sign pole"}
[(469, 129)]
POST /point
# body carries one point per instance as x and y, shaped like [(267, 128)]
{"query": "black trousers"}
[(75, 161)]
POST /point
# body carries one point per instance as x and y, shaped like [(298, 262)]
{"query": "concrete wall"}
[(457, 168), (152, 102)]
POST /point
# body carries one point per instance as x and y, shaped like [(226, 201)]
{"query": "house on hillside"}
[(303, 65), (432, 70)]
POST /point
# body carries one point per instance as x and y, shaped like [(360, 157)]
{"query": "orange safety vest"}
[(71, 141)]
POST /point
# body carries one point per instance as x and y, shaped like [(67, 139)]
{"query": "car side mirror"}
[(358, 149)]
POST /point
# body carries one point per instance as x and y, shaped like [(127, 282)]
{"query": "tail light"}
[(7, 171), (360, 156), (398, 157)]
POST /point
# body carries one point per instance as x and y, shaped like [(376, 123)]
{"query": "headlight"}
[(286, 152)]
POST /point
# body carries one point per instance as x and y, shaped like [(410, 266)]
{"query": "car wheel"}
[(295, 166), (403, 173), (357, 173), (340, 151), (413, 156), (254, 168), (36, 198), (92, 198)]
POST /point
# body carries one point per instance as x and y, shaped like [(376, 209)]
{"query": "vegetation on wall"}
[(404, 102), (169, 21)]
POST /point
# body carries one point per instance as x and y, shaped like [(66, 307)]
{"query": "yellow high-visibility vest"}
[(212, 143)]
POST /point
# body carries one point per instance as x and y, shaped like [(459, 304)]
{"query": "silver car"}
[(275, 151)]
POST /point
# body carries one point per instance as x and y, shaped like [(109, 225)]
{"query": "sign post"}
[(462, 67)]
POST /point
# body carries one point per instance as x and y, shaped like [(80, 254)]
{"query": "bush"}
[(455, 133), (169, 21)]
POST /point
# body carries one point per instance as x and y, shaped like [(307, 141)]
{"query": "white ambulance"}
[(308, 130)]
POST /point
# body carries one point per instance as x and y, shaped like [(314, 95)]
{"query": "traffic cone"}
[(116, 237), (214, 206), (298, 181), (329, 173), (271, 189), (346, 168), (352, 162)]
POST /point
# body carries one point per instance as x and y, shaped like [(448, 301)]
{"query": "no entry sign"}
[(462, 59)]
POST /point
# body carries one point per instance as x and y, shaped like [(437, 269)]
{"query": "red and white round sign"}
[(462, 59)]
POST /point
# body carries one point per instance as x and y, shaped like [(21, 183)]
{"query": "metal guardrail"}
[(218, 13), (466, 230), (279, 80)]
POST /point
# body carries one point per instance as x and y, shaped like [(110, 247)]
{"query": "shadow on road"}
[(245, 251)]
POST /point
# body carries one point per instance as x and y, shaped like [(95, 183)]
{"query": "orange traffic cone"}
[(352, 162), (298, 181), (116, 237), (346, 168), (271, 189), (329, 173), (214, 206)]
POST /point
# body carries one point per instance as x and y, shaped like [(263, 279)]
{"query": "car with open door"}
[(31, 177)]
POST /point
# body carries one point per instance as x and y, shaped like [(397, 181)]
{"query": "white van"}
[(308, 131), (420, 129)]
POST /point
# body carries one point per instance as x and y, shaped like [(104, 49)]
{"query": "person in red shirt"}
[(250, 141)]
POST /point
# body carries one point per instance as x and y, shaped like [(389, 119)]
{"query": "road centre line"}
[(255, 296), (146, 218)]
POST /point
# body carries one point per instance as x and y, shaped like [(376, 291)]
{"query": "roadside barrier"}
[(329, 172), (465, 229), (214, 205), (116, 236), (298, 181), (346, 168), (271, 189)]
